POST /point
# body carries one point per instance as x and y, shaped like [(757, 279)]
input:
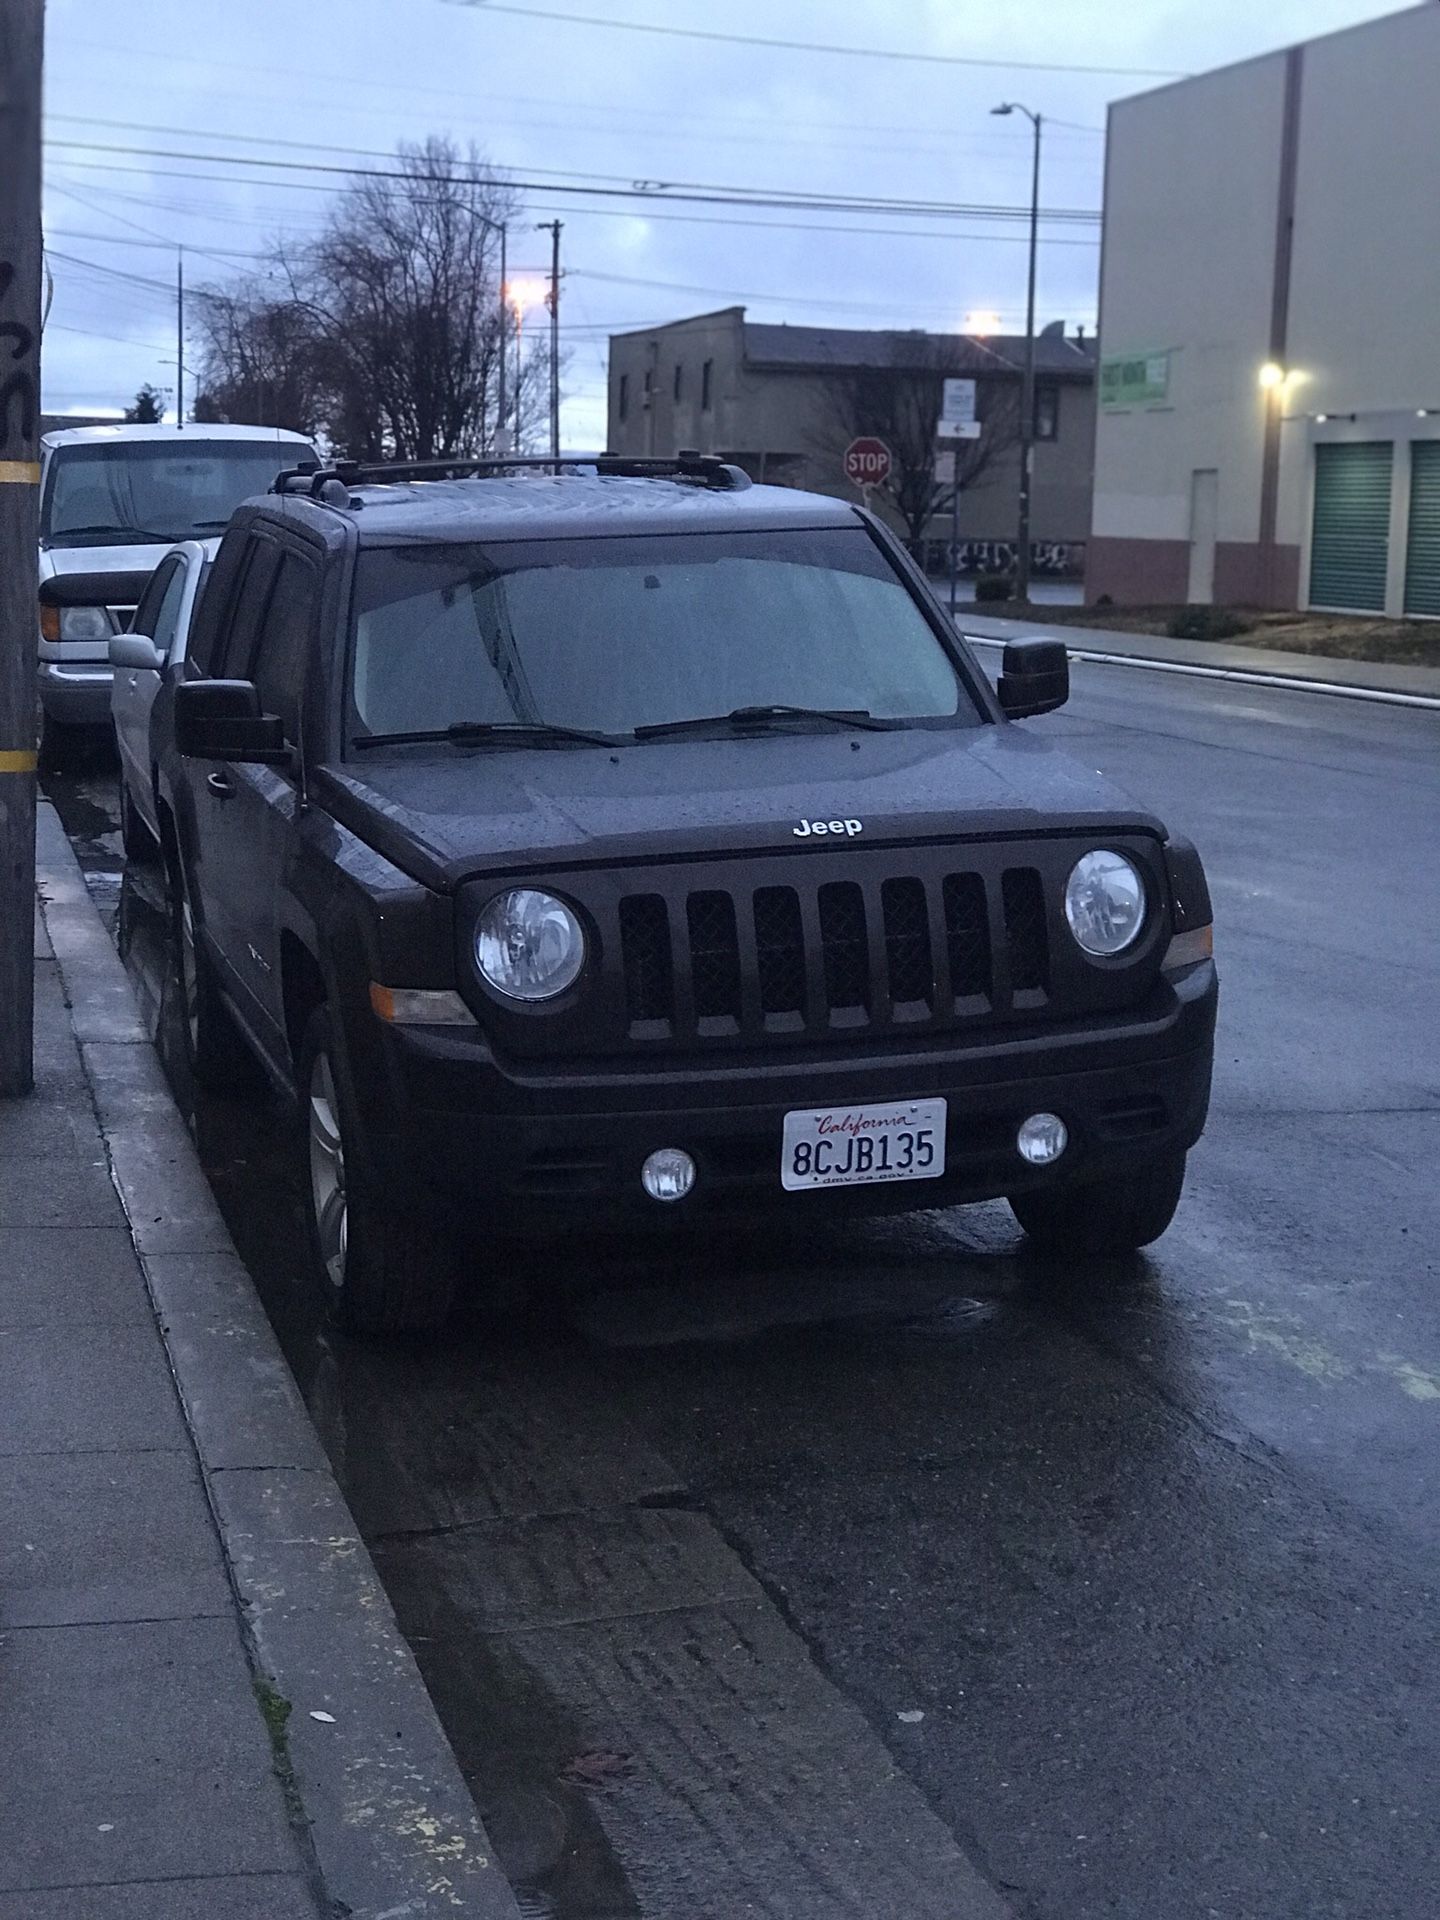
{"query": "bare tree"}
[(384, 332), (263, 359), (901, 406), (403, 285)]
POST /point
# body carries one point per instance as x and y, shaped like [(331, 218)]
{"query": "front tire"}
[(1102, 1218), (379, 1267)]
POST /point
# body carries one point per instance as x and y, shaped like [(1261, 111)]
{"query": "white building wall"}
[(1365, 277), (1192, 199), (1193, 174)]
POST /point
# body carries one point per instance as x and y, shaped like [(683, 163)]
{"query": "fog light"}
[(1042, 1138), (668, 1174)]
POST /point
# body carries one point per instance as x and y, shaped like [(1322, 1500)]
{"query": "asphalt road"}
[(880, 1574)]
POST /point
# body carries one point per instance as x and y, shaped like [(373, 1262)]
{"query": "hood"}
[(98, 576), (444, 818)]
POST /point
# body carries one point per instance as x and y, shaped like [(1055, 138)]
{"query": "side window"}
[(285, 639), (212, 613), (241, 620), (163, 631), (147, 614)]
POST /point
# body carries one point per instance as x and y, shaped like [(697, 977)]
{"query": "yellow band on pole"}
[(18, 762), (19, 473)]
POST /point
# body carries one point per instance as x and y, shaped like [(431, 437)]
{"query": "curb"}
[(383, 1807), (1250, 676)]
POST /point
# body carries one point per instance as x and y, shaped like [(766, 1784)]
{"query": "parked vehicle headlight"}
[(76, 623), (529, 945), (1105, 902)]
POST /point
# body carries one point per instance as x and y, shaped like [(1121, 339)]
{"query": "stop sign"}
[(867, 462)]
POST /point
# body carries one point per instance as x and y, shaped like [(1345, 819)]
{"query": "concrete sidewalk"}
[(206, 1709), (1216, 656)]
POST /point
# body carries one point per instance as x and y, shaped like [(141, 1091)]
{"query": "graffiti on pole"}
[(19, 388)]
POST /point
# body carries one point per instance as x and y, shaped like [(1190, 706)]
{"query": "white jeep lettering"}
[(807, 828)]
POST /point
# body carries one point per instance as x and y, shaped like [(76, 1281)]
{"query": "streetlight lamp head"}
[(1007, 106), (1272, 374)]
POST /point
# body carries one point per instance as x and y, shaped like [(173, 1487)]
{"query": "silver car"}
[(156, 643)]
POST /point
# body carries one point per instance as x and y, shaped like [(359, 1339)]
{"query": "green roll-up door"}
[(1350, 539), (1422, 561)]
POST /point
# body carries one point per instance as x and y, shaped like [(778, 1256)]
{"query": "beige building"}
[(1269, 396), (784, 401)]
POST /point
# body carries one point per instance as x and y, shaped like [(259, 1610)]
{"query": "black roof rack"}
[(328, 483)]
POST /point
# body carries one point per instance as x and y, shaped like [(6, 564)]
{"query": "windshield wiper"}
[(125, 533), (749, 716), (463, 732)]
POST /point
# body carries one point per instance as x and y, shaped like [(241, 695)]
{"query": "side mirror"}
[(1034, 677), (221, 720), (136, 653)]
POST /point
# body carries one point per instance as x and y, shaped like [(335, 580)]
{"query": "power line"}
[(73, 193), (624, 119), (816, 46), (168, 246), (731, 293), (588, 210), (687, 192)]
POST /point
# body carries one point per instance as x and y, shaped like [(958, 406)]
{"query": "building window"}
[(705, 385), (1047, 412), (649, 384), (679, 379), (624, 406)]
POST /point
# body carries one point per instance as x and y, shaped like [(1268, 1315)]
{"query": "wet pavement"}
[(816, 1574)]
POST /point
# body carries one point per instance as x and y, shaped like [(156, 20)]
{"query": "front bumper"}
[(76, 695), (446, 1121)]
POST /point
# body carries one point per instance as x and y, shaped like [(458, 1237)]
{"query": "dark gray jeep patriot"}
[(625, 840)]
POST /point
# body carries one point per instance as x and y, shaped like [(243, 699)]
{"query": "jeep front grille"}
[(846, 955)]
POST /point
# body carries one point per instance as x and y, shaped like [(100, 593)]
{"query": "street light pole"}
[(500, 410), (179, 339), (22, 36), (1027, 396)]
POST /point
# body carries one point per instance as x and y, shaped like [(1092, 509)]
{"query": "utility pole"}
[(1027, 402), (22, 34), (552, 301), (501, 445), (179, 339), (1027, 396)]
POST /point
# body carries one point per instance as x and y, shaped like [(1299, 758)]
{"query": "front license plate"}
[(859, 1146)]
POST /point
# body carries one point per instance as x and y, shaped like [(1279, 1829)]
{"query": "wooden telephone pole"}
[(22, 25)]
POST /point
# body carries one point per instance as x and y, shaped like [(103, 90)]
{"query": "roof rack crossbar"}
[(323, 482)]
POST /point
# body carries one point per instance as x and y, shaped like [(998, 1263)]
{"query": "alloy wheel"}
[(327, 1172)]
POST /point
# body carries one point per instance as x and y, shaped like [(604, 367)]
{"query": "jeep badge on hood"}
[(807, 827)]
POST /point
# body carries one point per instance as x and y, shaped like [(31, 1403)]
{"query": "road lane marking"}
[(1266, 1333)]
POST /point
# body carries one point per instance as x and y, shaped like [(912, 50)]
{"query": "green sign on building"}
[(1135, 380)]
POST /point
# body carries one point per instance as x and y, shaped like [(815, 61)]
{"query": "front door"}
[(253, 809)]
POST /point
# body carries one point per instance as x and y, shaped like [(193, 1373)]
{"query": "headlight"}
[(1105, 902), (529, 945), (76, 623)]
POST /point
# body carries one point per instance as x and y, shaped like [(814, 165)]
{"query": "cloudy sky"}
[(560, 94)]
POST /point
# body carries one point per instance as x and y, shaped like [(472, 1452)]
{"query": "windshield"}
[(615, 634), (156, 490)]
